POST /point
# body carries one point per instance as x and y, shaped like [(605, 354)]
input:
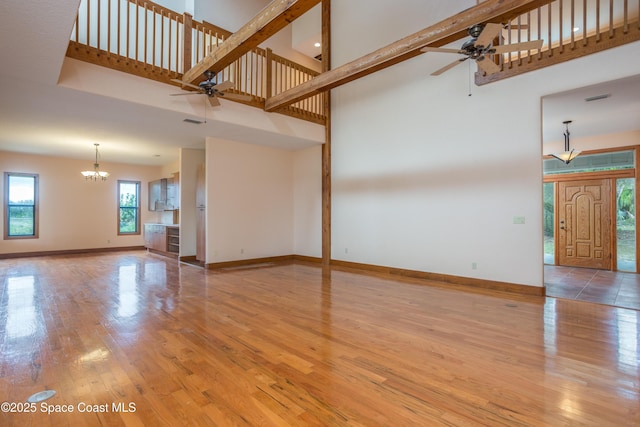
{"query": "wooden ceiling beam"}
[(274, 17), (444, 32)]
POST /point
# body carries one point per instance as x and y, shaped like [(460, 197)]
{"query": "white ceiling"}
[(619, 112)]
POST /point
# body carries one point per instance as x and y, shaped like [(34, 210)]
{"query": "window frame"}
[(36, 205), (138, 185)]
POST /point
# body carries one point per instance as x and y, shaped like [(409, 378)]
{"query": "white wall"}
[(249, 201), (75, 213), (426, 177), (189, 161), (619, 139), (307, 200)]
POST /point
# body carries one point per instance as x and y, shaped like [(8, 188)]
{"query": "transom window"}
[(615, 160)]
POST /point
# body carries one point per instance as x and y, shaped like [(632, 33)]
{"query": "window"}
[(20, 205), (626, 224), (129, 207)]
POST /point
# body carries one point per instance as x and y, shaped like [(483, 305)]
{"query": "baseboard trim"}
[(391, 272), (283, 259), (465, 282), (69, 252)]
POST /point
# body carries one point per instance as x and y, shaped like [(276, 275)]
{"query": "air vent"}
[(192, 121), (597, 97)]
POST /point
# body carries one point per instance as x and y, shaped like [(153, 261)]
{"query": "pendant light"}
[(96, 173), (568, 154)]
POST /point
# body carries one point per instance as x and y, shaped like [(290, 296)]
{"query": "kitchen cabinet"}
[(162, 239), (163, 194)]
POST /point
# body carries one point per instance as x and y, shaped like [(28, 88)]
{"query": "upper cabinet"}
[(164, 194)]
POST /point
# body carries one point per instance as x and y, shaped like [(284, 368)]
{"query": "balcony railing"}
[(143, 38), (570, 29)]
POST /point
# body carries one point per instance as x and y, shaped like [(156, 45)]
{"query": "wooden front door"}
[(584, 223)]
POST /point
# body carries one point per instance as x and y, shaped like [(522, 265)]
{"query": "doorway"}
[(589, 211)]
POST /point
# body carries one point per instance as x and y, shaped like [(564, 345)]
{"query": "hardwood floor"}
[(296, 345)]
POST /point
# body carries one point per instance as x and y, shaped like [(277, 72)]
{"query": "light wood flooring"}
[(299, 345)]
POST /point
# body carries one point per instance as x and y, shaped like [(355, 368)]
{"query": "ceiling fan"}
[(481, 48), (213, 90)]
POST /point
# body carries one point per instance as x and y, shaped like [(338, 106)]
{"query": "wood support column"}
[(326, 148)]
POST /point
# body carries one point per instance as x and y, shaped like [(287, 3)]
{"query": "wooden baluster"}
[(529, 35), (550, 51), (584, 23), (153, 39), (88, 23), (573, 25), (560, 18), (169, 42), (77, 29), (137, 25), (625, 26), (118, 28), (99, 20), (161, 40), (108, 28), (128, 29), (540, 32), (146, 36), (610, 18), (597, 20)]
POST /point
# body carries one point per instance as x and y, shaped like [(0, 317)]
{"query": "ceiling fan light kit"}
[(480, 48), (567, 155)]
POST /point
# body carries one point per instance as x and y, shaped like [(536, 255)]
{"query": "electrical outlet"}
[(474, 265)]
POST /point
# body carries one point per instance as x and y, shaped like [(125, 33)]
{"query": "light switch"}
[(518, 220)]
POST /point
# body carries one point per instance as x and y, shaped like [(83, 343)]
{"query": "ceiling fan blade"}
[(440, 49), (490, 32), (236, 96), (183, 94), (448, 67), (214, 101), (487, 65), (224, 86), (517, 47), (186, 84)]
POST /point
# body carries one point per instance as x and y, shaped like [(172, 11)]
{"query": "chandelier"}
[(96, 173), (567, 155)]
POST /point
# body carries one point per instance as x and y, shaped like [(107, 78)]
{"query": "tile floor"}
[(599, 286)]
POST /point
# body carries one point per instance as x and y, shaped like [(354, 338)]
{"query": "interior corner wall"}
[(249, 201), (428, 178), (76, 214), (307, 196), (189, 161)]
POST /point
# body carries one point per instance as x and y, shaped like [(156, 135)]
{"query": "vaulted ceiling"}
[(39, 115)]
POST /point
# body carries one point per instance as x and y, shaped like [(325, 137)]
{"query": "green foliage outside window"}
[(128, 223)]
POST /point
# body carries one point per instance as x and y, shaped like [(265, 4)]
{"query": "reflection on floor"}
[(600, 286)]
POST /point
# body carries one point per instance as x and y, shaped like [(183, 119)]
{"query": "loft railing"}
[(143, 38), (570, 29)]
